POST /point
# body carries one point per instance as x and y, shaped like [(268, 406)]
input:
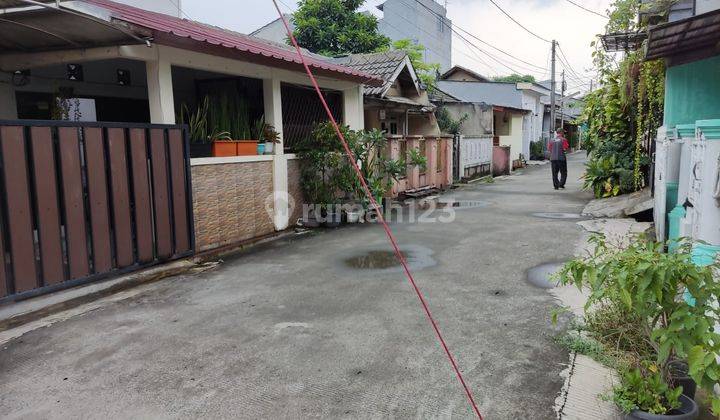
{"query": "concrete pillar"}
[(160, 91), (353, 113), (413, 142), (8, 105), (447, 143), (431, 148), (272, 99)]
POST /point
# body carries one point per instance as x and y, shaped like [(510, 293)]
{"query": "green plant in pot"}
[(650, 283), (197, 122)]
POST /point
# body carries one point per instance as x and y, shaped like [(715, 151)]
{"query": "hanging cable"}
[(588, 10), (518, 23)]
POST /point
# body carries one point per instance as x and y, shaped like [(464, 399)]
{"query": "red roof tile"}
[(183, 28)]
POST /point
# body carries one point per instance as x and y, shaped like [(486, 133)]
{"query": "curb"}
[(19, 313)]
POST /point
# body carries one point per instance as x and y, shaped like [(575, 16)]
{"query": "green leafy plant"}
[(196, 120), (649, 284), (645, 390), (229, 117), (415, 158), (537, 150), (447, 123), (327, 175), (605, 178), (628, 107)]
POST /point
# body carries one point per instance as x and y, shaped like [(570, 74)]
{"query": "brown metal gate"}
[(79, 201)]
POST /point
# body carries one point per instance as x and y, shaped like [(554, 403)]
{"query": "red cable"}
[(381, 218)]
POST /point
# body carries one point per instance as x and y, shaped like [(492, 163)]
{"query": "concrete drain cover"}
[(558, 215), (539, 276), (384, 260)]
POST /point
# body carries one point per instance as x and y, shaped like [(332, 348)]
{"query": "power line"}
[(452, 28), (518, 23), (587, 10)]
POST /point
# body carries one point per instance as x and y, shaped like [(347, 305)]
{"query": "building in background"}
[(423, 21)]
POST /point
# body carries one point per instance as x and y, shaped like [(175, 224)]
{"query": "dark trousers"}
[(561, 167)]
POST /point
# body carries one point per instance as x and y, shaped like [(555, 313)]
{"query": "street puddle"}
[(374, 260), (539, 276), (384, 260), (558, 215)]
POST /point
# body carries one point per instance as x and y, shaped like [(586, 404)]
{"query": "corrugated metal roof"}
[(384, 65), (492, 93), (199, 32)]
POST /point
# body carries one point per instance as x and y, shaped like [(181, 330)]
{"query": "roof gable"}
[(389, 66), (462, 74)]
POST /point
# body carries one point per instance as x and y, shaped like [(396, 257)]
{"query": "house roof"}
[(385, 65), (456, 68), (694, 34), (142, 24), (491, 93)]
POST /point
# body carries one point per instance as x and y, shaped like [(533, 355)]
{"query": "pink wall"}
[(501, 160), (432, 176)]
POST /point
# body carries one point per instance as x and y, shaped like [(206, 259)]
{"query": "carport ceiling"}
[(75, 25)]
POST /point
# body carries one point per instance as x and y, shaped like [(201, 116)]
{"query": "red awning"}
[(187, 34)]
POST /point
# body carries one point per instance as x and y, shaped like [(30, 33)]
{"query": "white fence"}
[(475, 156)]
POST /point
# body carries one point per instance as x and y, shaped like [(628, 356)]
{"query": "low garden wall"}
[(295, 189), (229, 200)]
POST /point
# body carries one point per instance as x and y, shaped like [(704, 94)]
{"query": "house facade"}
[(91, 92), (687, 156), (401, 108)]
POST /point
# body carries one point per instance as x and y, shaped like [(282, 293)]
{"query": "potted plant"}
[(228, 114), (644, 395), (650, 283), (271, 138), (200, 146)]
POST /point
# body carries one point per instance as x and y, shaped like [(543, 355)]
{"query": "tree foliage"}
[(515, 78), (625, 111), (336, 27)]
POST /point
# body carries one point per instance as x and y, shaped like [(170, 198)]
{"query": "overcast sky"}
[(571, 26)]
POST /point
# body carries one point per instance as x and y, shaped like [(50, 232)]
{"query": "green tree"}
[(515, 78), (427, 72), (335, 27)]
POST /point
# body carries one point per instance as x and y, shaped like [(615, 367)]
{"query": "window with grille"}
[(302, 110)]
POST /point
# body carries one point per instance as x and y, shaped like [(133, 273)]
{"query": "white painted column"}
[(353, 112), (272, 99), (8, 105), (160, 91)]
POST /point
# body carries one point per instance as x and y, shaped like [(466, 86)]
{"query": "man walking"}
[(558, 162)]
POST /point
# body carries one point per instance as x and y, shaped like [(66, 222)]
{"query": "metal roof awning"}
[(623, 41), (701, 32)]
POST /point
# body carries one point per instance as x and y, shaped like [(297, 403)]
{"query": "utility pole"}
[(552, 91), (562, 101)]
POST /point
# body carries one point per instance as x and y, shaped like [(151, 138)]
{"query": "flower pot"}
[(269, 147), (223, 148), (679, 377), (261, 148), (200, 150), (247, 147), (687, 411)]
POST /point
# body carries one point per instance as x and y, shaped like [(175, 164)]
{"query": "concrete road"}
[(290, 330)]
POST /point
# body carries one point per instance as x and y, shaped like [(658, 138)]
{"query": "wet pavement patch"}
[(558, 215), (375, 260), (539, 276), (383, 259)]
